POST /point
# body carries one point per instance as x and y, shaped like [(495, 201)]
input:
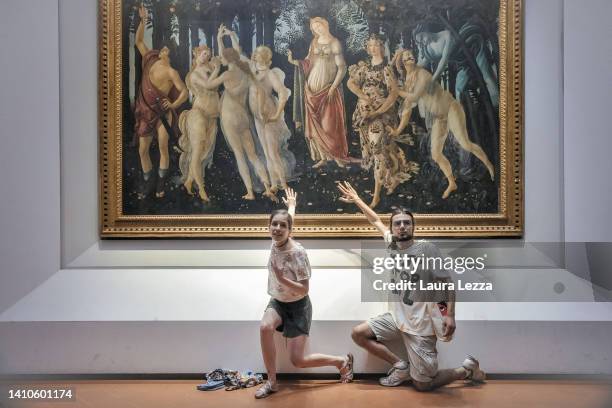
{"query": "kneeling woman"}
[(289, 310)]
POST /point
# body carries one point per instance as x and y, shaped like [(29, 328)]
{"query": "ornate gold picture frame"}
[(473, 58)]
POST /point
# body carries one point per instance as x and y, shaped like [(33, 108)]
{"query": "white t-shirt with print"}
[(415, 318), (295, 266)]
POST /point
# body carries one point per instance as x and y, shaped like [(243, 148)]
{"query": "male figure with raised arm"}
[(413, 323), (161, 93)]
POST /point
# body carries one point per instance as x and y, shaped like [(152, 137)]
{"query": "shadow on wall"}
[(599, 257)]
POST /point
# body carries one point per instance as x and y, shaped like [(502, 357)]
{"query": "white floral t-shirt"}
[(294, 265)]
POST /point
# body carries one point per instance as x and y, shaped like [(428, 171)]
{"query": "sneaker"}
[(214, 380), (266, 390), (399, 373), (475, 374), (346, 372), (211, 385)]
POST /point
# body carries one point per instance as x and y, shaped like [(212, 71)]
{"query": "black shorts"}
[(296, 317)]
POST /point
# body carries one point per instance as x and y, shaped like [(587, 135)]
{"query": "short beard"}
[(403, 239)]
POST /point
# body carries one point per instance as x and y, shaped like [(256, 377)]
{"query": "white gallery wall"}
[(70, 303), (588, 134)]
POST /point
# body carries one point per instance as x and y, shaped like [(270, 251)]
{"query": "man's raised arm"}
[(140, 44), (349, 195)]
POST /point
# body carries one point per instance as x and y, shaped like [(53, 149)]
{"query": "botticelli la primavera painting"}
[(209, 110)]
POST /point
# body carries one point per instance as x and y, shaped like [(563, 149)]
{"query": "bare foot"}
[(340, 164), (160, 194), (285, 186), (249, 196), (270, 195), (188, 186), (319, 164), (451, 187), (203, 195), (274, 189)]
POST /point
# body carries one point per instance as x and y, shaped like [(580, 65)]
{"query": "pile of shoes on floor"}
[(230, 379)]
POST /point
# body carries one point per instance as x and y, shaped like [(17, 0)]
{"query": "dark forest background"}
[(265, 23)]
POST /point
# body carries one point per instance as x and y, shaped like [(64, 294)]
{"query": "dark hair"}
[(394, 212), (282, 212), (397, 211), (379, 38), (172, 49)]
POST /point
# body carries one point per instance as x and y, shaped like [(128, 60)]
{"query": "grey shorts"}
[(419, 351), (296, 316)]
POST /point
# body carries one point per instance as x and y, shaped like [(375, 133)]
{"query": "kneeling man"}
[(414, 320)]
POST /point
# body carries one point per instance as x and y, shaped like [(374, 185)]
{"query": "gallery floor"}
[(327, 393)]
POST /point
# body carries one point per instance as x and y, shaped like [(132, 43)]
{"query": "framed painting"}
[(208, 110)]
